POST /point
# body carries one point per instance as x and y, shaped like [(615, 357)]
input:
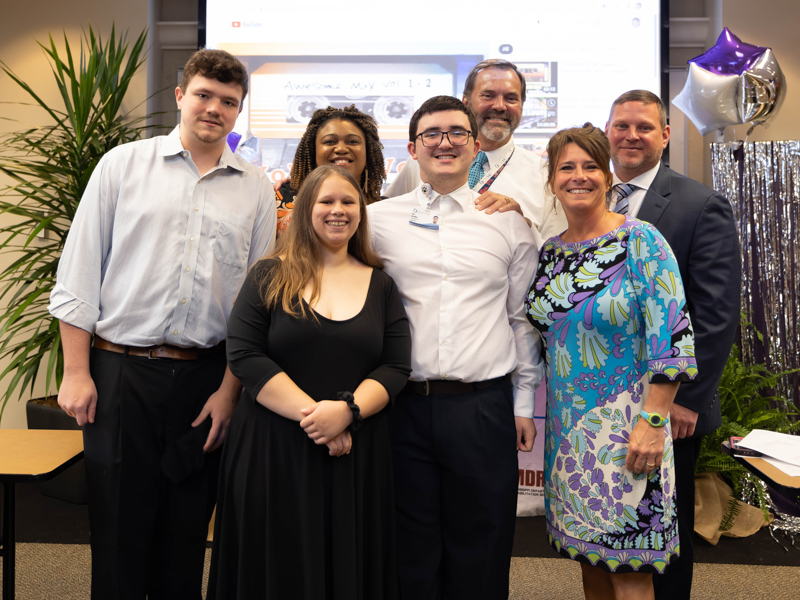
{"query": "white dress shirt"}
[(523, 179), (463, 287), (636, 197), (156, 253)]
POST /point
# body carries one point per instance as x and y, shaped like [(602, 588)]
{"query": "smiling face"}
[(578, 181), (636, 137), (342, 143), (336, 213), (208, 112), (496, 102), (445, 167)]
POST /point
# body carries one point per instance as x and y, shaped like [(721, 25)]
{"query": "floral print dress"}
[(612, 315)]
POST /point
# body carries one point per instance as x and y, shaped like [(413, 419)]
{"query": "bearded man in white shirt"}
[(494, 93), (459, 422), (157, 251)]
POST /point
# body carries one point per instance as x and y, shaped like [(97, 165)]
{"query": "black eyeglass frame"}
[(441, 137)]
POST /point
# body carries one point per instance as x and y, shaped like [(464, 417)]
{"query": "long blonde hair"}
[(299, 250)]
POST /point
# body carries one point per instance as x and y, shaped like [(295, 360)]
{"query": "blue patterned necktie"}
[(476, 169), (623, 190)]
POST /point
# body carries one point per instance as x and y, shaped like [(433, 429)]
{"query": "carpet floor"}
[(53, 560)]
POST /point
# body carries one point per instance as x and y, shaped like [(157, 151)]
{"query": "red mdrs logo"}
[(236, 24)]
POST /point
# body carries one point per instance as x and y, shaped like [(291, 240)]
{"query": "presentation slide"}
[(387, 58)]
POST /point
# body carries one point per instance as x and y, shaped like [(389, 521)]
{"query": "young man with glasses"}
[(494, 93), (468, 406)]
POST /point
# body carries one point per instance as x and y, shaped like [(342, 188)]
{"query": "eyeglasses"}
[(456, 137)]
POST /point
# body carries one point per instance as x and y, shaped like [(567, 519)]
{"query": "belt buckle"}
[(150, 353), (427, 387)]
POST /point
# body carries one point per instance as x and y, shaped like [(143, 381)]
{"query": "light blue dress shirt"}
[(156, 253)]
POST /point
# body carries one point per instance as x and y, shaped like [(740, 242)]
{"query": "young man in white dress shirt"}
[(494, 93), (462, 417), (156, 254)]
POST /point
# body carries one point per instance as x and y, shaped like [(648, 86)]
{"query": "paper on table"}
[(782, 446), (791, 470)]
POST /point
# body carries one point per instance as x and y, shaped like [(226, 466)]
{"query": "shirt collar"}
[(643, 181), (463, 196), (498, 154), (172, 146)]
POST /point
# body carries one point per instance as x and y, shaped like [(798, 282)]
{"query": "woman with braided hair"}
[(339, 136)]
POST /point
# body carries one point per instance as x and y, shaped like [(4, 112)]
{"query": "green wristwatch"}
[(655, 419)]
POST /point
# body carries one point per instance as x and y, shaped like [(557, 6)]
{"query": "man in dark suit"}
[(698, 224)]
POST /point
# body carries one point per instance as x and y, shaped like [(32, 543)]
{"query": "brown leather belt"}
[(447, 387), (163, 351)]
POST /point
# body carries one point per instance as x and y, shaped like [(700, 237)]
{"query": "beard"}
[(497, 132)]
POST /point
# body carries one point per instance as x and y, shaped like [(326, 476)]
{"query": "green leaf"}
[(48, 167)]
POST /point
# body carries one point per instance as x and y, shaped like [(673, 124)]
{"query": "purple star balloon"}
[(729, 56)]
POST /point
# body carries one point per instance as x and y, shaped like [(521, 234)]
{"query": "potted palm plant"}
[(47, 168)]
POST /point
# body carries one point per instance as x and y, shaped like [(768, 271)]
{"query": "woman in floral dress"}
[(608, 300)]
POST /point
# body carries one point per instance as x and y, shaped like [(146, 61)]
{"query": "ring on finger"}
[(651, 464), (508, 200)]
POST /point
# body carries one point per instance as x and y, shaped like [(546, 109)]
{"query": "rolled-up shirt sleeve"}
[(75, 298)]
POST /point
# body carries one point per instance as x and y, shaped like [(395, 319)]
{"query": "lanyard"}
[(487, 180)]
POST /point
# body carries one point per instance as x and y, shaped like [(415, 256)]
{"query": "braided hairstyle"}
[(305, 157)]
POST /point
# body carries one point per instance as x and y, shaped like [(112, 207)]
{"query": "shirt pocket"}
[(232, 240)]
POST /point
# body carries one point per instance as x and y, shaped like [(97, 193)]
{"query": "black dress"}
[(294, 523)]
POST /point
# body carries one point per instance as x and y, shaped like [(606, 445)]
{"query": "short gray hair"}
[(493, 63)]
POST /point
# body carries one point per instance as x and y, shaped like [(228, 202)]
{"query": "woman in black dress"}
[(320, 340)]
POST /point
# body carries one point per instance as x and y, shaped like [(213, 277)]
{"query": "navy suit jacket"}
[(698, 224)]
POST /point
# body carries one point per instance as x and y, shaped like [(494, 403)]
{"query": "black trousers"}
[(148, 531), (456, 480), (676, 582)]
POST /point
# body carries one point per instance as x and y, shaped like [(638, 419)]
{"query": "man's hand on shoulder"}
[(526, 433), (78, 396), (492, 202)]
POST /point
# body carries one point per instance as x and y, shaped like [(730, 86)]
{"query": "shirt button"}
[(444, 309), (196, 209), (183, 300), (192, 238), (444, 342), (188, 268), (444, 277), (175, 332), (444, 375)]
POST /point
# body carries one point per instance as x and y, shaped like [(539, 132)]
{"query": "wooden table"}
[(30, 455), (786, 484)]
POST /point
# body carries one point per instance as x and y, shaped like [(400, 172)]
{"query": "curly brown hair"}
[(215, 64), (305, 160)]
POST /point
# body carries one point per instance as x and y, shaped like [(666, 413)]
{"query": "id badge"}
[(423, 216)]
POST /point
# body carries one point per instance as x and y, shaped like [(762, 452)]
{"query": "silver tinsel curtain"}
[(762, 182)]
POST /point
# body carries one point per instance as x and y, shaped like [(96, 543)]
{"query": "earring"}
[(366, 179)]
